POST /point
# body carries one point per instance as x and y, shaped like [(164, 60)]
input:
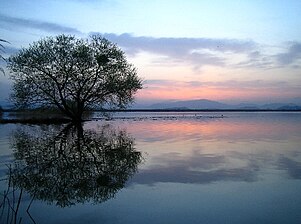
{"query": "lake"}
[(230, 167)]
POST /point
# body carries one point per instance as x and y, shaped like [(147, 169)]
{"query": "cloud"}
[(292, 55), (9, 50), (252, 84), (6, 52), (159, 82), (168, 45), (9, 23), (198, 52), (195, 51), (277, 60), (256, 59)]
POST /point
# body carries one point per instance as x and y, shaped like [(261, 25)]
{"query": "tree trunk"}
[(78, 113)]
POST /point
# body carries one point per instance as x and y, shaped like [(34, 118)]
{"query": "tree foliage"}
[(73, 75)]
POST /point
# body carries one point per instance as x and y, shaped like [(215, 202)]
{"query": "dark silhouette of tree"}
[(73, 75), (73, 165)]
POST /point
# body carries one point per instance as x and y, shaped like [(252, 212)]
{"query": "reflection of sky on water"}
[(238, 147), (228, 128), (243, 168), (292, 167), (197, 169)]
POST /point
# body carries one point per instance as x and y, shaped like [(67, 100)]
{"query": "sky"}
[(230, 51)]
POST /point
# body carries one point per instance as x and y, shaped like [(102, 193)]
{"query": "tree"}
[(73, 75)]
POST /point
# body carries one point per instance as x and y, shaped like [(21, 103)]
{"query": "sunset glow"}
[(186, 91), (244, 51)]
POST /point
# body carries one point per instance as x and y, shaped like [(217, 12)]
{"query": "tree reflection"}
[(73, 165)]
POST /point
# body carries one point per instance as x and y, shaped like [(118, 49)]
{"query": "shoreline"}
[(167, 110), (197, 110), (41, 118)]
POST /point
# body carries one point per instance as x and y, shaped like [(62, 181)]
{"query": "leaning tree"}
[(73, 75)]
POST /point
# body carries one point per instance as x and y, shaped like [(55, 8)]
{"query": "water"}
[(154, 168)]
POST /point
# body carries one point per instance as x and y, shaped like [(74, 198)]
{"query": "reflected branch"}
[(73, 165), (8, 200)]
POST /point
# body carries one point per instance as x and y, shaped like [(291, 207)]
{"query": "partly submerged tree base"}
[(40, 116), (36, 121)]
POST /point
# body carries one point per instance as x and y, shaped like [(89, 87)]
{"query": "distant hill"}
[(201, 104), (280, 106), (191, 104), (204, 104)]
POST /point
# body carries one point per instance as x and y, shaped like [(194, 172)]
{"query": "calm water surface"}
[(154, 168)]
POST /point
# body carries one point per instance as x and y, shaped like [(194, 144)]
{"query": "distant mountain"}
[(247, 106), (290, 107), (204, 104), (191, 104), (280, 106), (201, 104)]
